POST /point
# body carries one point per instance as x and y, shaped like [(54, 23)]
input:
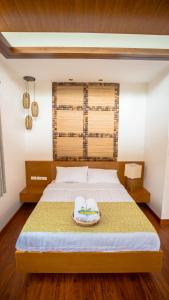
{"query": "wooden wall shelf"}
[(141, 195), (31, 194)]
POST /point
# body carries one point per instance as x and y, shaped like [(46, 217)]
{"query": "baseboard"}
[(152, 211), (164, 222), (161, 221)]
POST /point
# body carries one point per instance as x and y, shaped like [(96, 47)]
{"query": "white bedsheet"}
[(87, 242), (102, 192)]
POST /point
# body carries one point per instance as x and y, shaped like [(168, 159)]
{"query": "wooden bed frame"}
[(89, 262), (84, 262)]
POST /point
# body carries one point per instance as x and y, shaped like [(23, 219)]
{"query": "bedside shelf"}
[(31, 194), (140, 195)]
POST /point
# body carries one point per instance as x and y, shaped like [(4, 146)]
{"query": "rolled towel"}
[(86, 210), (92, 205), (80, 202), (92, 212)]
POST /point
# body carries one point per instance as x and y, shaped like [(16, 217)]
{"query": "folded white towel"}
[(86, 210)]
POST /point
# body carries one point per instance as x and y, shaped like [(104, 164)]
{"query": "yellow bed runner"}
[(115, 217)]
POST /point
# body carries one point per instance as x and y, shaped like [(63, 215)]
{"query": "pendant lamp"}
[(26, 100)]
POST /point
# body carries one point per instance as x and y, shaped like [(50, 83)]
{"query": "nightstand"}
[(31, 194), (140, 195)]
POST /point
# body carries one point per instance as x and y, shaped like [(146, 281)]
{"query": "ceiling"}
[(88, 70), (98, 16), (122, 29)]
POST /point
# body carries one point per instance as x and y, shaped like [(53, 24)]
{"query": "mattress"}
[(74, 241)]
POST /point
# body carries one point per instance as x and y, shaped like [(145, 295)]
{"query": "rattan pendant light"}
[(34, 109), (28, 122), (34, 106), (26, 102)]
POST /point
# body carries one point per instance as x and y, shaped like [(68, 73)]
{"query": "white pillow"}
[(71, 174), (102, 176)]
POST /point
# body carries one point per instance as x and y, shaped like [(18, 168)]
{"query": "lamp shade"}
[(28, 122), (133, 170), (26, 100), (34, 109)]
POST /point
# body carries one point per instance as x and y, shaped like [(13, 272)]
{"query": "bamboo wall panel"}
[(70, 146), (85, 121), (70, 95), (70, 121), (101, 145), (101, 122), (101, 95)]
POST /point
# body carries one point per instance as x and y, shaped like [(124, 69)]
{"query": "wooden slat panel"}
[(100, 147), (101, 122), (70, 121), (117, 16), (69, 146), (70, 95), (101, 95)]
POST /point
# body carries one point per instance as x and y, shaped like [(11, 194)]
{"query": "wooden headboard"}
[(45, 171)]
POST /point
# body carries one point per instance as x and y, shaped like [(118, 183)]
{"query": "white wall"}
[(13, 142), (131, 123), (156, 143), (39, 140), (165, 207), (132, 110)]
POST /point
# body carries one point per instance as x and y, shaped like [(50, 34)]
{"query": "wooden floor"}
[(78, 287)]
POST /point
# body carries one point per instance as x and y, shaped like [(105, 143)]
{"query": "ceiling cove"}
[(81, 52)]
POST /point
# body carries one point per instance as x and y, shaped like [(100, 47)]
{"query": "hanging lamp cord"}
[(34, 91)]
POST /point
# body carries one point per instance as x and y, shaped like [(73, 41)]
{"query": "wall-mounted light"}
[(133, 173), (133, 170), (27, 102)]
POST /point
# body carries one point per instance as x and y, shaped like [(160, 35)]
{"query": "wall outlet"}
[(39, 178)]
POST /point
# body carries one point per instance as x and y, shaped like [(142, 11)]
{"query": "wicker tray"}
[(85, 224)]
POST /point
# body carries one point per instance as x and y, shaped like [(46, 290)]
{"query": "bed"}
[(123, 241)]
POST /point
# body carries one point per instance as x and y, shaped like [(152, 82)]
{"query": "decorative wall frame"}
[(85, 121)]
